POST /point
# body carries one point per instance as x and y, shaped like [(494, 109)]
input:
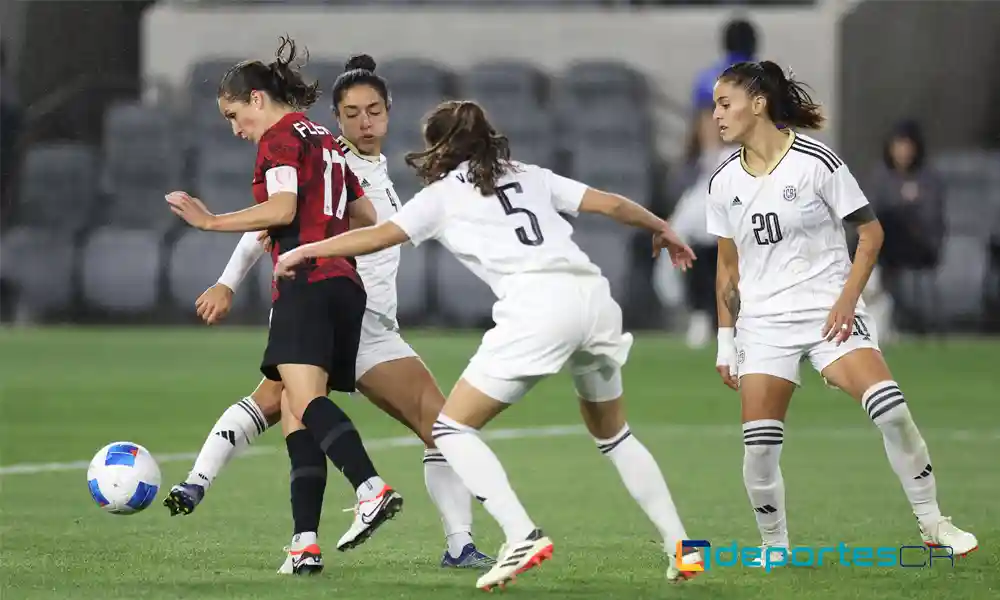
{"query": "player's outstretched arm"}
[(279, 209), (727, 293), (353, 243)]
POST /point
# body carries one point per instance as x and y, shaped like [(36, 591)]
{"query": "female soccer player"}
[(501, 219), (388, 371), (305, 192), (786, 285)]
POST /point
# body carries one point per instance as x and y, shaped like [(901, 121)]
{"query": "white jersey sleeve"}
[(422, 217), (841, 192), (716, 219), (567, 194)]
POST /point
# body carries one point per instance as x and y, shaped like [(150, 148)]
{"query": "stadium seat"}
[(411, 281), (611, 250), (142, 161), (38, 263), (606, 129), (960, 280), (120, 269), (197, 259), (204, 77), (403, 178), (504, 82), (462, 297), (224, 174), (586, 84), (625, 173), (530, 131), (416, 78), (59, 184)]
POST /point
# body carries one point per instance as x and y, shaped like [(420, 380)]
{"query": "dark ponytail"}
[(458, 131), (788, 103), (280, 79), (360, 70)]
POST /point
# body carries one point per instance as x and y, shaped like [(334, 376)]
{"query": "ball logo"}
[(740, 357), (790, 193)]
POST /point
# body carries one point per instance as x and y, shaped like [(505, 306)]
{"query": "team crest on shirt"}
[(790, 193)]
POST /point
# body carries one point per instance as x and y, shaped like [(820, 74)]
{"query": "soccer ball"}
[(123, 478)]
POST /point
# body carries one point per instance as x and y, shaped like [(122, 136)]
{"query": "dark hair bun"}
[(360, 61)]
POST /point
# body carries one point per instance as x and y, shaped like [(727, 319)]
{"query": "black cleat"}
[(183, 498)]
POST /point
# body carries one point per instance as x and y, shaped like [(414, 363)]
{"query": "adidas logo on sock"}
[(229, 436), (765, 510), (927, 471)]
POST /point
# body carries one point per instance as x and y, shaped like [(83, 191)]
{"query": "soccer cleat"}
[(183, 498), (515, 559), (369, 515), (943, 533), (470, 558), (674, 573), (777, 556), (302, 561)]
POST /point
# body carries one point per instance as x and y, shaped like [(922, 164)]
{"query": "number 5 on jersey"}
[(536, 239), (330, 158)]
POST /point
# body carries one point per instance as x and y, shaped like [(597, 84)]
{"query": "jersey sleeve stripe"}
[(718, 170), (817, 155), (829, 154)]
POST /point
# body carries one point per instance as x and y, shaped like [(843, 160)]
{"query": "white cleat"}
[(369, 515), (515, 559), (770, 557), (675, 573), (302, 559), (943, 533)]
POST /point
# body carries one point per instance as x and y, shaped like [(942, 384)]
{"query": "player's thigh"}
[(289, 423), (856, 364), (600, 393), (765, 397), (474, 407), (267, 396), (405, 389), (303, 383)]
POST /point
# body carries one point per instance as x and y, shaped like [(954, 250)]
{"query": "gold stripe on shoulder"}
[(347, 146)]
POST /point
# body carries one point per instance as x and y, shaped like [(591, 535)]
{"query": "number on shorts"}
[(522, 234), (331, 158), (766, 224)]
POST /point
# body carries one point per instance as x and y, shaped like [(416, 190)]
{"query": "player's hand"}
[(265, 240), (725, 360), (214, 303), (840, 322), (681, 255), (190, 209), (285, 267)]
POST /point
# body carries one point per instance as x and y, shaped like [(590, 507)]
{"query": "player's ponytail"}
[(359, 70), (459, 131), (280, 79), (788, 102)]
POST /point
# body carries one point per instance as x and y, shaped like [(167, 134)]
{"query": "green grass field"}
[(67, 392)]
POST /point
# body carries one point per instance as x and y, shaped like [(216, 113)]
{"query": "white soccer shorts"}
[(380, 343), (546, 322), (773, 346)]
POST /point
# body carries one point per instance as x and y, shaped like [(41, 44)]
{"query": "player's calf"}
[(762, 443)]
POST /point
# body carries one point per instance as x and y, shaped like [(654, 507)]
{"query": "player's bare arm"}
[(840, 322), (727, 293), (362, 213), (279, 209), (627, 212), (353, 243)]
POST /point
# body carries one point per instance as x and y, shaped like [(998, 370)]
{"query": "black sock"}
[(308, 480), (339, 440)]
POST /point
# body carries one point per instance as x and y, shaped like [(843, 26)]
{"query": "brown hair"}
[(280, 79), (788, 103), (458, 131)]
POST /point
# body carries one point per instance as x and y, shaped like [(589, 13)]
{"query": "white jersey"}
[(516, 231), (377, 270), (787, 226)]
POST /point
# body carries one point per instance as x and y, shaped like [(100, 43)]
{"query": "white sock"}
[(483, 475), (643, 479), (905, 448), (236, 429), (452, 499), (762, 443), (370, 488), (301, 540)]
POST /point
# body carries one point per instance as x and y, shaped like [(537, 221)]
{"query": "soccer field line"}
[(662, 430)]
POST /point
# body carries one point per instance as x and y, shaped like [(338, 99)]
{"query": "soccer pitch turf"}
[(64, 393)]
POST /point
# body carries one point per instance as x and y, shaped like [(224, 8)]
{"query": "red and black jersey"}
[(325, 186)]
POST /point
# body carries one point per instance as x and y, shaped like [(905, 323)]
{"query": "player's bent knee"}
[(599, 385), (267, 396)]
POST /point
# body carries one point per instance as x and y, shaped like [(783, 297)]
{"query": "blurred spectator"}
[(909, 201), (705, 153), (739, 42), (10, 126)]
